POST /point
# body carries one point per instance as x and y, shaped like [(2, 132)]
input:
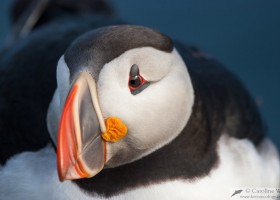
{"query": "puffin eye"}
[(136, 82)]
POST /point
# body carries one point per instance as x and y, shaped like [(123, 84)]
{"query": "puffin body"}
[(39, 180), (192, 131)]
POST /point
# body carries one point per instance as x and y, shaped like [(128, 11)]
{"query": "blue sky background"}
[(244, 35)]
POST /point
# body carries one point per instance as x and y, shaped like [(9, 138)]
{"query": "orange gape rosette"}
[(115, 130)]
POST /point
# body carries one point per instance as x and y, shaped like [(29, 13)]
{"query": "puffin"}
[(114, 111)]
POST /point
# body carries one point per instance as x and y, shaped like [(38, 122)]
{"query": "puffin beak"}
[(81, 151)]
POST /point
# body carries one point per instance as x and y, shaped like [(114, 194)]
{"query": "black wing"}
[(227, 105)]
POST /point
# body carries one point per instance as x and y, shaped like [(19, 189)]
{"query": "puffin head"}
[(122, 93)]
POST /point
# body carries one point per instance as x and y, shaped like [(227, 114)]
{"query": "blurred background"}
[(244, 35)]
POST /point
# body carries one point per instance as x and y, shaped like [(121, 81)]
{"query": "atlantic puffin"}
[(192, 131)]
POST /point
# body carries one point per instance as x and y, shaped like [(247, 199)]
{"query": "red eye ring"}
[(136, 82)]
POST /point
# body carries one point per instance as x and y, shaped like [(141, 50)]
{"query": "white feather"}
[(156, 115), (33, 176), (56, 104)]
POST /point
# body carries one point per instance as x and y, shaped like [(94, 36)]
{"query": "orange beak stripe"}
[(66, 138)]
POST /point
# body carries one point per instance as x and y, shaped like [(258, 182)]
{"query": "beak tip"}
[(60, 174), (61, 179), (64, 176)]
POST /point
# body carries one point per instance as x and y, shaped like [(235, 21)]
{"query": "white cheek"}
[(55, 107), (63, 79), (53, 116), (156, 115)]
